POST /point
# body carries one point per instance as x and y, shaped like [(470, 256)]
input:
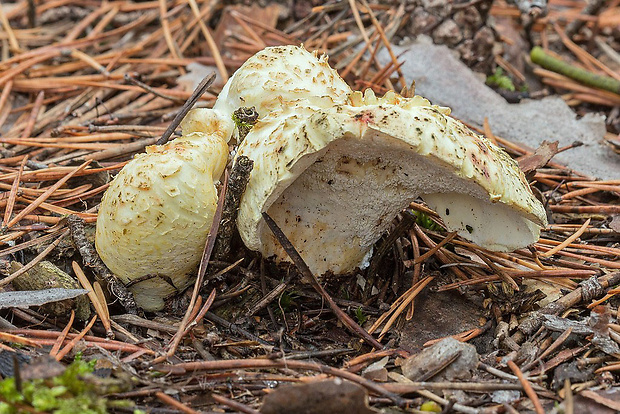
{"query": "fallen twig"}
[(307, 273), (539, 56)]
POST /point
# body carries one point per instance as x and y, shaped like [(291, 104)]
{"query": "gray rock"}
[(421, 366), (445, 81)]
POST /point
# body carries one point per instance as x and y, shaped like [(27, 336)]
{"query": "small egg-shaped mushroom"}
[(155, 216)]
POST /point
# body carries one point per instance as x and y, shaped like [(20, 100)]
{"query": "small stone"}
[(421, 20), (441, 8), (448, 33), (469, 20), (418, 367)]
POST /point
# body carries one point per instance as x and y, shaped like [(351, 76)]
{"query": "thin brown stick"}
[(603, 209), (307, 273), (237, 406), (198, 92), (555, 345), (61, 354), (201, 314), (13, 194), (527, 387), (249, 363), (62, 336), (174, 403), (103, 342)]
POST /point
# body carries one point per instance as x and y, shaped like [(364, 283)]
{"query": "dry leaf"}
[(540, 157)]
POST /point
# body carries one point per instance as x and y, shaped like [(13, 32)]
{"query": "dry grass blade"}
[(34, 261), (61, 338), (100, 308), (31, 207), (527, 387), (64, 351)]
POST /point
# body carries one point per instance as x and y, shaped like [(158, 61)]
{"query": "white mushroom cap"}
[(333, 178), (280, 74), (155, 216)]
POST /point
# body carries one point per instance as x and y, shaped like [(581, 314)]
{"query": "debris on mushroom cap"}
[(280, 74), (334, 177), (155, 216)]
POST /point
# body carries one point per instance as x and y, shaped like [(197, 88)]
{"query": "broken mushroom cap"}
[(280, 74), (155, 216), (333, 178)]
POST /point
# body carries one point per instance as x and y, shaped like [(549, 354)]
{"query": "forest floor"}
[(86, 85)]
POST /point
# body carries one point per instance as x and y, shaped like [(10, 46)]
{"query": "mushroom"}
[(155, 216), (334, 171), (332, 167), (281, 74), (154, 219)]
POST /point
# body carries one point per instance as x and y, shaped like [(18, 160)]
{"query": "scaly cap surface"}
[(280, 74), (155, 216)]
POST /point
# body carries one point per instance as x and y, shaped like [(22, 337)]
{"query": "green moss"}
[(287, 301), (423, 220), (244, 119), (67, 393), (361, 317), (500, 80)]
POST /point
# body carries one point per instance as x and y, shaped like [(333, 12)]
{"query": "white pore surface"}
[(339, 207)]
